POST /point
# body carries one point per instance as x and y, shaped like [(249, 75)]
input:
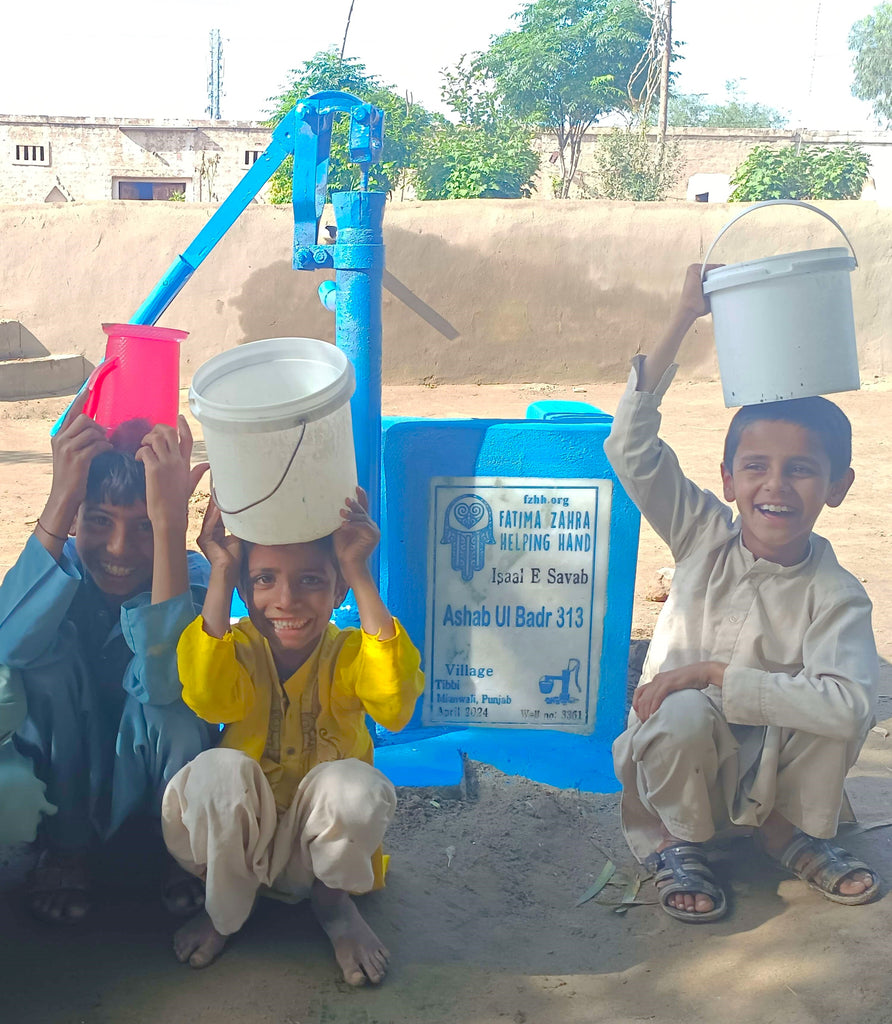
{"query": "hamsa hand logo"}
[(467, 526)]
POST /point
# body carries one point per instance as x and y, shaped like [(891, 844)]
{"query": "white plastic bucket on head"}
[(784, 325), (276, 421)]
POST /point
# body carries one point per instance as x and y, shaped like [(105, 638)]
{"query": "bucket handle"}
[(95, 382), (266, 497), (775, 202)]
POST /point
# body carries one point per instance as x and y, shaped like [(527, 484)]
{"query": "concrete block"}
[(17, 342), (41, 377)]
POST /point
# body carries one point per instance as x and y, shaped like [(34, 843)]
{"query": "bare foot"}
[(198, 941), (360, 953), (182, 894), (59, 887)]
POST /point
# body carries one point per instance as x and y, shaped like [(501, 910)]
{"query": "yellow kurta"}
[(316, 715)]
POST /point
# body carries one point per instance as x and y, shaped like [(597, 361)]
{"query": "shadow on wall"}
[(506, 310), (276, 301), (399, 291), (553, 322), (297, 306)]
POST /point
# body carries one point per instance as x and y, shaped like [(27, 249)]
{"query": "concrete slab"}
[(42, 376), (17, 342)]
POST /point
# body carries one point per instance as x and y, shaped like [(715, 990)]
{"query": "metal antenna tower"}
[(215, 76)]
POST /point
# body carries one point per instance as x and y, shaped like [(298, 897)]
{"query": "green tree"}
[(690, 111), (628, 165), (406, 125), (567, 64), (801, 172), (487, 154), (871, 41)]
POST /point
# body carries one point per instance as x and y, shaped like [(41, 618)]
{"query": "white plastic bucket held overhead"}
[(784, 325), (276, 421)]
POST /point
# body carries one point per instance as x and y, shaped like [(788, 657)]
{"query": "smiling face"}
[(780, 480), (116, 545), (291, 592)]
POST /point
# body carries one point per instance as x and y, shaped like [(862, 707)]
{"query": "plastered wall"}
[(475, 291)]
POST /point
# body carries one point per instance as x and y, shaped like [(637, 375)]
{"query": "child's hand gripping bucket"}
[(279, 438), (139, 379), (784, 325)]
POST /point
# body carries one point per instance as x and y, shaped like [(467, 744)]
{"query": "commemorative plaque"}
[(517, 580)]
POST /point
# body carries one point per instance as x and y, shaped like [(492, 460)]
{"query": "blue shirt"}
[(51, 610)]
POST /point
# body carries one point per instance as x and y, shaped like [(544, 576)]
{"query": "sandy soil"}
[(480, 911)]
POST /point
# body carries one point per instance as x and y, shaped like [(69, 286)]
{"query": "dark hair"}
[(823, 418), (116, 478)]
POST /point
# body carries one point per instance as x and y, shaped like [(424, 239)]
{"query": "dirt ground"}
[(480, 911)]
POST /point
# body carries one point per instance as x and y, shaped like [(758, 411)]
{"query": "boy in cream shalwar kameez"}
[(760, 681)]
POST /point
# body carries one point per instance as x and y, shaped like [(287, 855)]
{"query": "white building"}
[(62, 159)]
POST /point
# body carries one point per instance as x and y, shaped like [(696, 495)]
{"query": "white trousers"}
[(689, 769), (220, 823)]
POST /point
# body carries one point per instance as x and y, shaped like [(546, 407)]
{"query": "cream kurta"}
[(797, 640)]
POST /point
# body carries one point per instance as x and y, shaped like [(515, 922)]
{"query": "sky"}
[(97, 58)]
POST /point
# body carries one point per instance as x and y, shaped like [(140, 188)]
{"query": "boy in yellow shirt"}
[(290, 799)]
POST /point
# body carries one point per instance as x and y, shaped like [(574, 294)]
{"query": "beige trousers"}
[(220, 823), (687, 768)]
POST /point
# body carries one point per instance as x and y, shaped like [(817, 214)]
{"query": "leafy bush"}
[(467, 161), (801, 172), (628, 165), (487, 155)]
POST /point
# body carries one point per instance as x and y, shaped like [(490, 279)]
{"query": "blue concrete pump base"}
[(563, 760)]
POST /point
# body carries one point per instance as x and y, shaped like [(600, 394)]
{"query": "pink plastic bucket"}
[(139, 378)]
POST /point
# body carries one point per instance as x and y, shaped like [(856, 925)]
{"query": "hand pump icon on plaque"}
[(546, 684)]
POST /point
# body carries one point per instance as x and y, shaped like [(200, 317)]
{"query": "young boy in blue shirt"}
[(88, 630), (760, 682)]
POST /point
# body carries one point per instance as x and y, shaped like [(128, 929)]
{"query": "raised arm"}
[(74, 447), (152, 631), (166, 456), (680, 512), (354, 541), (36, 593), (224, 552), (152, 628), (386, 677), (216, 684), (691, 305)]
